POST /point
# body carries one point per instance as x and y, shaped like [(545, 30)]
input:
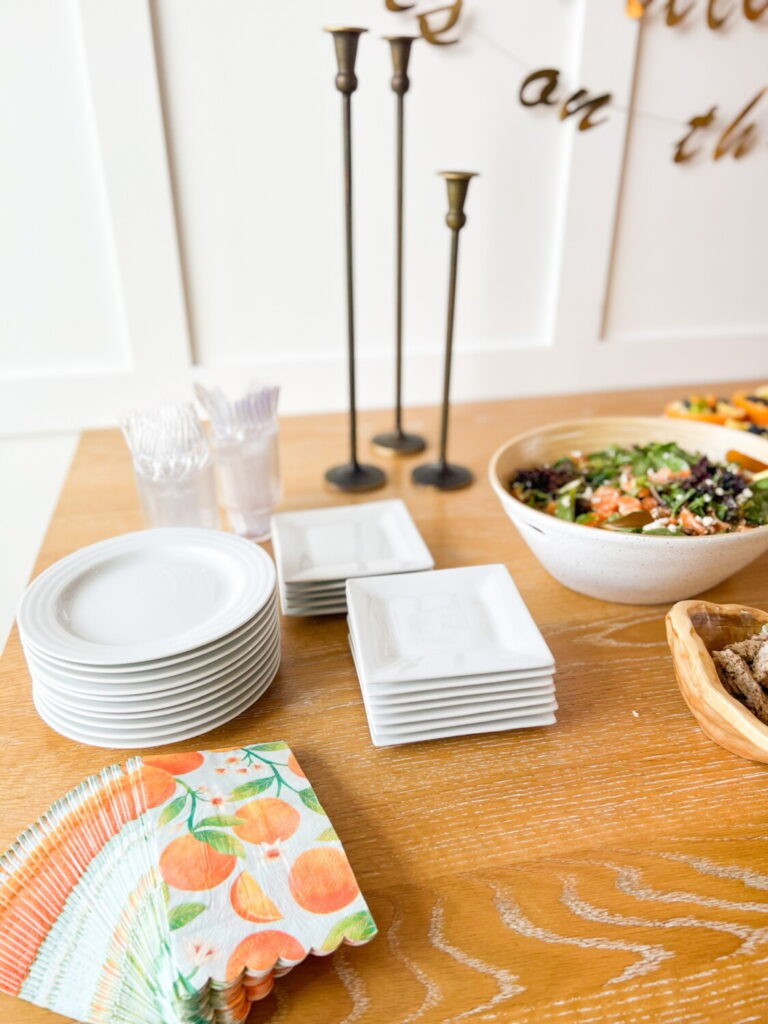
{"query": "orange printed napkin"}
[(175, 889)]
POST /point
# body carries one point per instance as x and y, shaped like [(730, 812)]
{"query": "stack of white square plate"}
[(318, 550), (151, 637), (448, 653)]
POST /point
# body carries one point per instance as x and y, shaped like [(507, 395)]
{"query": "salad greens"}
[(684, 492)]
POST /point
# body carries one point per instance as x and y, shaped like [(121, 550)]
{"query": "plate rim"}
[(42, 592)]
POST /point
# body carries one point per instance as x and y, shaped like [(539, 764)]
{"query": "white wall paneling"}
[(170, 202), (98, 307)]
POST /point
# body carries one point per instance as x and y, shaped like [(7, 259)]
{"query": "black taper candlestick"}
[(353, 475), (443, 474), (397, 441)]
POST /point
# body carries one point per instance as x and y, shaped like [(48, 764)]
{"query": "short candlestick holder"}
[(353, 475), (397, 441), (442, 474)]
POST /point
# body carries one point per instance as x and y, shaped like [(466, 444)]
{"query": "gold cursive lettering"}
[(714, 20), (738, 138), (674, 17), (683, 155), (752, 12), (581, 100), (393, 5), (432, 34), (550, 78)]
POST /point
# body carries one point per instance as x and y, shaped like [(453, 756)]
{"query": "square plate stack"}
[(448, 653), (151, 637), (318, 550)]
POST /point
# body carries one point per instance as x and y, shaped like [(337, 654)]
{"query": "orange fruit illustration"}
[(251, 902), (189, 863), (293, 764), (259, 952), (260, 990), (267, 820), (321, 880), (158, 786), (176, 764)]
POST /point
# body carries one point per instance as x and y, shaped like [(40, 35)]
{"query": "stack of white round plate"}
[(151, 637)]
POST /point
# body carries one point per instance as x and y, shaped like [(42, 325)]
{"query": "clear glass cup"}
[(248, 474), (173, 465), (245, 451), (188, 501)]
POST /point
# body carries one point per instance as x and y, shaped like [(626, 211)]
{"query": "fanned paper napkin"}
[(175, 889)]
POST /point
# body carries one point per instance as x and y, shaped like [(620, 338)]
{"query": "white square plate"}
[(398, 720), (449, 623), (326, 544), (431, 692), (388, 739)]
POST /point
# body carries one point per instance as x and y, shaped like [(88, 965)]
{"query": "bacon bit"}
[(665, 475), (643, 492), (605, 500), (627, 480), (692, 523), (649, 503), (628, 504)]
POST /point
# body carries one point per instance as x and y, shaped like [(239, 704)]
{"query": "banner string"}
[(528, 69)]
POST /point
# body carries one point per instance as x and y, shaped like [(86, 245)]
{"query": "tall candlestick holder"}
[(397, 441), (353, 475), (442, 474)]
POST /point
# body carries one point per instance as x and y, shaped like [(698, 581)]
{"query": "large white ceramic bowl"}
[(629, 568)]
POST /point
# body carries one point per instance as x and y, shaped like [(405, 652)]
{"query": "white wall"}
[(170, 204)]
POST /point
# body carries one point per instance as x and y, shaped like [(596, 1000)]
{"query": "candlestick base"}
[(397, 442), (355, 477), (443, 475)]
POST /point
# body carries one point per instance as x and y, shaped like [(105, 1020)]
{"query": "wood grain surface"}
[(612, 868)]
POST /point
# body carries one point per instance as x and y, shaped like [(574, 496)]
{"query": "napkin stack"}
[(175, 888)]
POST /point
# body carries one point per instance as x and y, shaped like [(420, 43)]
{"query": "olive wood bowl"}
[(694, 630)]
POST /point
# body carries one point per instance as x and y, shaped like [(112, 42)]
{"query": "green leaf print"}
[(220, 821), (359, 927), (279, 745), (329, 836), (172, 810), (183, 914), (221, 841), (252, 788), (309, 799)]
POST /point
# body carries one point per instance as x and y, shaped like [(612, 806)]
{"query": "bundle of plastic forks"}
[(245, 451), (174, 470)]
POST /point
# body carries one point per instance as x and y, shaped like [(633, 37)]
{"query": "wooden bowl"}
[(694, 630)]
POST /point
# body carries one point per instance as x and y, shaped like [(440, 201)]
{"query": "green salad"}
[(670, 490)]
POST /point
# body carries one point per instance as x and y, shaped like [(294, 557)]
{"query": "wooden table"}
[(613, 868)]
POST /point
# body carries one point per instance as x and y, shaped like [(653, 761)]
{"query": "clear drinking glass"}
[(245, 451), (173, 465)]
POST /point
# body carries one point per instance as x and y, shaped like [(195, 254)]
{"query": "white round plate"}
[(118, 704), (146, 595), (163, 717), (162, 666), (157, 738), (145, 684)]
